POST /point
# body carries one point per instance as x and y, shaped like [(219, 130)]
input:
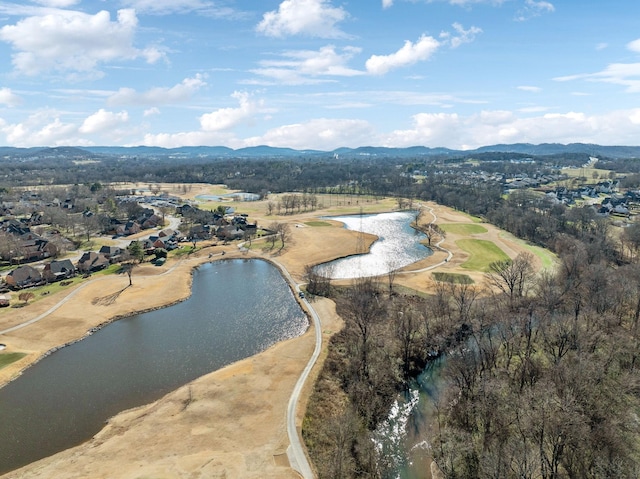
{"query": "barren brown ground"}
[(227, 424)]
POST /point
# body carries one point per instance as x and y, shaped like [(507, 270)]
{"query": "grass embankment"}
[(217, 190), (40, 292), (8, 358), (455, 278), (463, 229), (547, 259), (318, 223), (482, 254), (182, 251)]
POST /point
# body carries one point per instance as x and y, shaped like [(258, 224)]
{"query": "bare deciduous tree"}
[(318, 284), (512, 277), (26, 296)]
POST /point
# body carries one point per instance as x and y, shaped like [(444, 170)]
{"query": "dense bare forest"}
[(541, 376)]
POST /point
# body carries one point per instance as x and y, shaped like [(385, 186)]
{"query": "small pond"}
[(237, 309), (240, 196), (398, 245)]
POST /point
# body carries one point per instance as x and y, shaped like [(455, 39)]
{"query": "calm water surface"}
[(398, 245), (237, 309)]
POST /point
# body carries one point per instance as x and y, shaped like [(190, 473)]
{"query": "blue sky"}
[(319, 74)]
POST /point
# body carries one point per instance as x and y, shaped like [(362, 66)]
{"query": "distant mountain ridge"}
[(543, 149)]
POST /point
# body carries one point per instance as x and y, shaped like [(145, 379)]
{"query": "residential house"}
[(59, 270), (184, 209), (129, 228), (152, 221), (36, 248), (621, 210), (199, 232), (113, 253), (23, 277), (147, 244), (161, 243), (230, 233), (92, 261), (251, 228), (15, 227)]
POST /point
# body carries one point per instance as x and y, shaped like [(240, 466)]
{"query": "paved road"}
[(296, 451)]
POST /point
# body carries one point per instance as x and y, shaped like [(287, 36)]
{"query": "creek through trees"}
[(397, 439)]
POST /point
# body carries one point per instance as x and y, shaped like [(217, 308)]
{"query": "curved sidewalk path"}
[(296, 451), (51, 309), (437, 245)]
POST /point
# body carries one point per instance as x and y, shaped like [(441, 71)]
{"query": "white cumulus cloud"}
[(531, 89), (72, 41), (305, 66), (492, 127), (42, 128), (461, 35), (57, 3), (8, 98), (533, 8), (102, 121), (472, 2), (169, 7), (160, 95), (314, 18), (409, 54), (624, 74), (226, 118), (320, 134), (634, 46)]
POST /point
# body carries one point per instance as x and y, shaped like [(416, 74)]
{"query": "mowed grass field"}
[(328, 204), (463, 228), (482, 254), (8, 358), (455, 278), (548, 259), (317, 223)]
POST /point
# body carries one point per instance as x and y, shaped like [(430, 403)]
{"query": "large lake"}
[(237, 309), (398, 245)]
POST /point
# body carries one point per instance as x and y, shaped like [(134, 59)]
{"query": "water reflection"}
[(237, 309), (398, 245)]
